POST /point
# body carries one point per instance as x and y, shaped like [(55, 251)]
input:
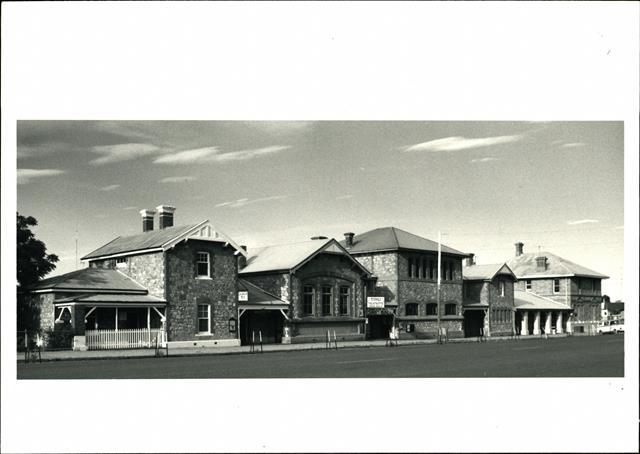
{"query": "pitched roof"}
[(531, 301), (111, 298), (257, 296), (393, 239), (90, 279), (525, 266), (485, 272), (290, 256), (160, 239)]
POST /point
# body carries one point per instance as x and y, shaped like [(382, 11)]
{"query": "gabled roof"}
[(485, 272), (90, 280), (126, 299), (257, 296), (524, 266), (531, 301), (288, 257), (394, 239), (161, 240)]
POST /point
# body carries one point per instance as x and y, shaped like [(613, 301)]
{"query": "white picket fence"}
[(109, 339)]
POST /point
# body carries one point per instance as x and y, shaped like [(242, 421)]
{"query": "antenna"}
[(76, 245)]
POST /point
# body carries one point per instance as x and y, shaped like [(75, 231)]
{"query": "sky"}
[(555, 186)]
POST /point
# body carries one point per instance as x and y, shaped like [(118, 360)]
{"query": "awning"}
[(523, 300), (111, 300), (258, 299)]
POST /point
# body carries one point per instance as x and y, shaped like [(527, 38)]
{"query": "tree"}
[(33, 264)]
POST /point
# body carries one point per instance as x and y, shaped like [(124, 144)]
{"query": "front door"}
[(379, 326), (265, 324), (473, 322)]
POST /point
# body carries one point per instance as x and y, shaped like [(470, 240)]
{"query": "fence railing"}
[(109, 339)]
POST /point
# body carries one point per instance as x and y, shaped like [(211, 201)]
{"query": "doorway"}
[(473, 322), (379, 326), (269, 323)]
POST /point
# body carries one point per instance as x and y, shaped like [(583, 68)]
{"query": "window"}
[(432, 309), (450, 309), (430, 269), (326, 300), (443, 270), (411, 309), (501, 288), (121, 262), (527, 285), (424, 268), (410, 267), (450, 271), (556, 286), (204, 318), (307, 300), (344, 300), (203, 264)]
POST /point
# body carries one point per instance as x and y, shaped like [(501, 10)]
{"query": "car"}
[(611, 327)]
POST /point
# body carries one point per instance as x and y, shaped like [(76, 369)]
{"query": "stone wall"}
[(146, 269), (501, 316), (277, 283), (384, 265), (184, 290)]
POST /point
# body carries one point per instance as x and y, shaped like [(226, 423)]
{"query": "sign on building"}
[(375, 302), (243, 295)]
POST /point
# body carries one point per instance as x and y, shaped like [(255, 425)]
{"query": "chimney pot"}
[(165, 216), (471, 260), (147, 219), (348, 237), (519, 248)]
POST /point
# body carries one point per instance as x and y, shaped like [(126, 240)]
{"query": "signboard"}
[(376, 302), (243, 296)]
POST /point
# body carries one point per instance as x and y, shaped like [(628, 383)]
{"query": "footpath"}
[(65, 355)]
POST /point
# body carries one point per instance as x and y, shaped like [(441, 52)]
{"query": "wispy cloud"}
[(130, 208), (178, 179), (583, 221), (487, 159), (212, 154), (461, 143), (24, 176), (345, 197), (111, 187), (245, 201), (572, 145), (122, 152)]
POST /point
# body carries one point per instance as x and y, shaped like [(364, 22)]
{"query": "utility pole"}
[(438, 281)]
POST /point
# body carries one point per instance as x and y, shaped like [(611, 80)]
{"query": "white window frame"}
[(198, 262), (208, 331), (554, 286), (528, 285), (121, 262), (502, 288)]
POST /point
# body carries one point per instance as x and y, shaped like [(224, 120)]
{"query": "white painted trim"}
[(122, 254), (271, 307), (94, 292), (106, 304)]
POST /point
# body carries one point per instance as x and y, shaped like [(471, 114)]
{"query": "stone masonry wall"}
[(384, 265), (277, 283), (146, 269), (184, 291), (501, 307)]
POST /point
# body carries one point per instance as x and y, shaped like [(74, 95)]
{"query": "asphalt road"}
[(598, 356)]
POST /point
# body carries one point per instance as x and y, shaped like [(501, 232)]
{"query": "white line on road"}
[(365, 360)]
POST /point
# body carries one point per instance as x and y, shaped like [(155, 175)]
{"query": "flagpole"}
[(438, 281)]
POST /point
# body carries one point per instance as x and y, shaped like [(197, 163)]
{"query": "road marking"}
[(365, 360)]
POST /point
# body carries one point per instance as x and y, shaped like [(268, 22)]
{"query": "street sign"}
[(243, 296), (375, 302)]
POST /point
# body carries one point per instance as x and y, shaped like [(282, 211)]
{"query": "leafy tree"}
[(33, 264)]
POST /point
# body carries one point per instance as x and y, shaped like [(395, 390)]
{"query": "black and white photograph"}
[(238, 223)]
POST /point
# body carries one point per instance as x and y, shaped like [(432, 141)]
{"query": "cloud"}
[(583, 221), (178, 179), (345, 197), (24, 176), (130, 208), (111, 187), (122, 152), (245, 201), (461, 143), (572, 145), (487, 159), (212, 154)]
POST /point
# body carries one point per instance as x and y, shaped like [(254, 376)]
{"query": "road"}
[(598, 356)]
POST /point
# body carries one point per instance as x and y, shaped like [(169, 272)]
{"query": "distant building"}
[(405, 268), (561, 281)]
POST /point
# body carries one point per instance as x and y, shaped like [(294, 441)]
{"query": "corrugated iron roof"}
[(531, 301), (282, 256), (485, 272), (147, 240), (525, 266), (90, 279), (393, 239), (257, 296), (113, 298)]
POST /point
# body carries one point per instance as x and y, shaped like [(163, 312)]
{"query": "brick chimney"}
[(471, 260), (541, 263), (348, 238), (519, 247), (165, 216), (242, 260), (147, 219)]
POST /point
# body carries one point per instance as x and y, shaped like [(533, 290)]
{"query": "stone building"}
[(561, 281), (488, 304), (323, 286), (185, 278), (405, 268)]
